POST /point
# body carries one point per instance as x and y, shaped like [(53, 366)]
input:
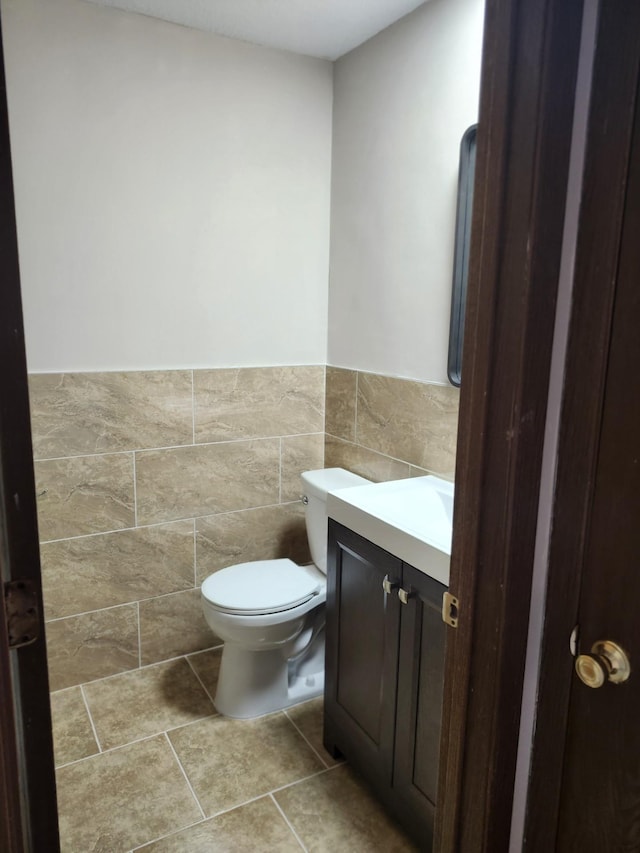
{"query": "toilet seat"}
[(260, 587)]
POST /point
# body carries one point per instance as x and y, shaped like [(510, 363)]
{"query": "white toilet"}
[(270, 614)]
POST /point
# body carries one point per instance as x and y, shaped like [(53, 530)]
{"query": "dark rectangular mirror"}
[(461, 253)]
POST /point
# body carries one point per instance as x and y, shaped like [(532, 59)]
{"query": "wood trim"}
[(27, 689), (614, 93), (524, 132), (11, 837)]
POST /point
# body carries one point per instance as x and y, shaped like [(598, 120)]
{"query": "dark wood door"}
[(600, 802), (586, 770), (28, 814), (362, 653), (419, 705)]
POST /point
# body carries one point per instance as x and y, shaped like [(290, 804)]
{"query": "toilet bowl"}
[(270, 616)]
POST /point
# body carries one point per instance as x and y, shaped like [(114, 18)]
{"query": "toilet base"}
[(252, 683)]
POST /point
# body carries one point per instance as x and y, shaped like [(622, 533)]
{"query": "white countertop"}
[(411, 518)]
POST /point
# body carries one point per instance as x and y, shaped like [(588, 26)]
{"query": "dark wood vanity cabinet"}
[(384, 675)]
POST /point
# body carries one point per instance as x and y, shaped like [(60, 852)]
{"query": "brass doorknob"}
[(607, 662)]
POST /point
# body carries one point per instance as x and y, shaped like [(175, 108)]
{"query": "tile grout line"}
[(355, 411), (307, 741), (129, 671), (168, 739), (195, 555), (280, 474), (167, 522), (139, 636), (274, 791), (193, 408), (93, 726), (169, 834), (108, 751), (202, 684), (167, 447), (135, 493), (320, 772), (138, 740), (288, 822), (442, 475)]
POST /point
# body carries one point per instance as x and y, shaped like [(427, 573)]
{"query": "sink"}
[(411, 518)]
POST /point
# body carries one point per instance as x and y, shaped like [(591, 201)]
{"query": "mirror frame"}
[(461, 253)]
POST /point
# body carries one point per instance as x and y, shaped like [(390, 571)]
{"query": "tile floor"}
[(144, 762)]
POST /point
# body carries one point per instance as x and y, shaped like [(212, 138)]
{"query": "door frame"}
[(529, 71), (28, 814), (528, 81), (615, 90)]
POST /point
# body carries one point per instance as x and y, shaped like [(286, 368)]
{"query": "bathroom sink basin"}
[(411, 518)]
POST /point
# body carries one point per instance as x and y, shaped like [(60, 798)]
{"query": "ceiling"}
[(323, 28)]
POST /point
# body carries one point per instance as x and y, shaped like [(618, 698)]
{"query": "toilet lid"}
[(263, 586)]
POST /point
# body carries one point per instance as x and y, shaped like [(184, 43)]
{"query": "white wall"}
[(172, 192), (401, 104)]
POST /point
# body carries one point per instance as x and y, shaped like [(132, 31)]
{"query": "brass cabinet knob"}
[(389, 584), (405, 594), (607, 662)]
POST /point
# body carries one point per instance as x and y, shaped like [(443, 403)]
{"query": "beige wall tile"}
[(95, 572), (92, 645), (79, 413), (145, 702), (267, 533), (118, 800), (86, 494), (412, 421), (360, 460), (256, 826), (73, 736), (173, 625), (255, 402), (252, 757), (340, 406), (299, 453), (211, 478)]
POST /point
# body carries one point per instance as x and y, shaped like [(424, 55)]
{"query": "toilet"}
[(270, 615)]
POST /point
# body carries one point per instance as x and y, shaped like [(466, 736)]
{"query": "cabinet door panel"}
[(362, 652), (420, 684)]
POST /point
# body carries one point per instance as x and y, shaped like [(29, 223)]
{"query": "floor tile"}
[(229, 762), (207, 667), (256, 826), (309, 718), (118, 800), (73, 736), (145, 702), (334, 811)]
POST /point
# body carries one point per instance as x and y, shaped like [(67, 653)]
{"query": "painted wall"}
[(172, 192), (401, 104)]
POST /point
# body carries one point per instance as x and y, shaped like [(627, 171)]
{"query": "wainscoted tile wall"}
[(385, 428), (147, 482)]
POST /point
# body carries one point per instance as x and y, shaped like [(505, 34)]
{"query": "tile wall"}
[(149, 481), (385, 428)]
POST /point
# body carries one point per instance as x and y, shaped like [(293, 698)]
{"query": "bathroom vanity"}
[(384, 667)]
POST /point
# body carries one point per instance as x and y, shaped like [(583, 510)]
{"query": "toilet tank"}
[(315, 485)]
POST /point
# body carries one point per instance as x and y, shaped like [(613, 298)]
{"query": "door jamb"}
[(29, 816), (529, 70)]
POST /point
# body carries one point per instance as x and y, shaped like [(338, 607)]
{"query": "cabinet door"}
[(361, 653), (420, 684)]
